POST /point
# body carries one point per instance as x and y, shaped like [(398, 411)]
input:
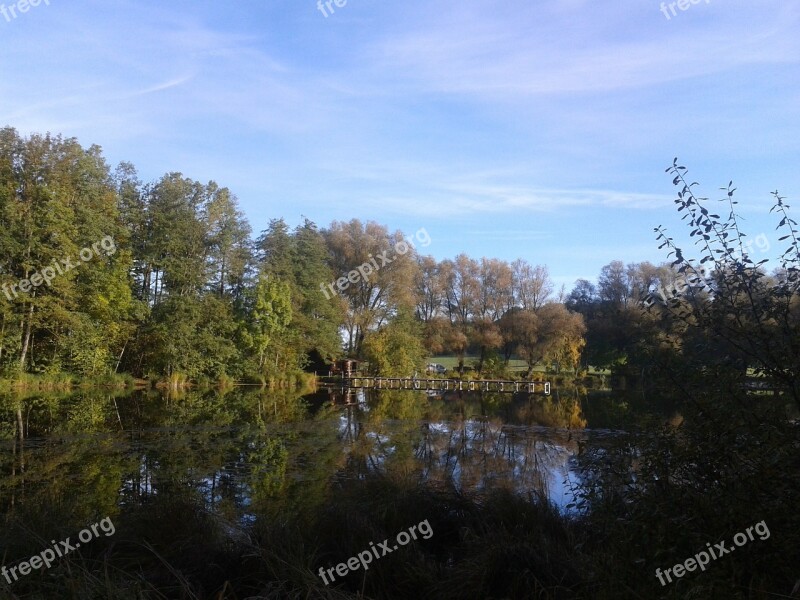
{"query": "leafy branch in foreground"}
[(753, 316)]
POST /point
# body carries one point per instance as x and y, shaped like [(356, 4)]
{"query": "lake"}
[(248, 450)]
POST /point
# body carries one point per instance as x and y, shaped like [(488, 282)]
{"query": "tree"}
[(519, 328), (495, 281), (56, 200), (614, 312), (271, 316), (275, 250), (727, 297), (462, 298), (395, 350), (532, 285), (383, 286), (228, 235), (317, 318), (613, 285), (553, 334), (564, 334), (523, 329), (582, 296), (300, 259), (430, 289), (178, 246)]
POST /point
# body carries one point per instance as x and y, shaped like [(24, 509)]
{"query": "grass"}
[(31, 382), (451, 362)]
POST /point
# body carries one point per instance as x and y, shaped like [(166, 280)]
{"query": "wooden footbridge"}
[(443, 385)]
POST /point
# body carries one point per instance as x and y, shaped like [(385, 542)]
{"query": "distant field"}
[(595, 371), (451, 362), (515, 365)]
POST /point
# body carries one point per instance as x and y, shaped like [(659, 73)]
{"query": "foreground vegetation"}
[(493, 545)]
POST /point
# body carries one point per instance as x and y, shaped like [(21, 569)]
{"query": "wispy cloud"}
[(159, 87), (505, 54), (507, 235), (498, 200)]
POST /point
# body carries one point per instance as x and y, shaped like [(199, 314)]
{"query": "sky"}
[(508, 129)]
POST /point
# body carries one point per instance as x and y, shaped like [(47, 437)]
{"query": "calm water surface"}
[(249, 452)]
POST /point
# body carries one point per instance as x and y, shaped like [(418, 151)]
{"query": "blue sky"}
[(533, 129)]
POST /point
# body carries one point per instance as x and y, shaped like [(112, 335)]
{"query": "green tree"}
[(395, 350), (57, 199), (272, 314), (228, 239), (317, 319), (300, 259), (193, 337)]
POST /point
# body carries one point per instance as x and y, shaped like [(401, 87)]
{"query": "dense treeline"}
[(102, 273), (180, 288), (182, 291)]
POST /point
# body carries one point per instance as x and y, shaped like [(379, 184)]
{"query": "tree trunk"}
[(2, 337), (20, 424), (26, 338), (119, 360)]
